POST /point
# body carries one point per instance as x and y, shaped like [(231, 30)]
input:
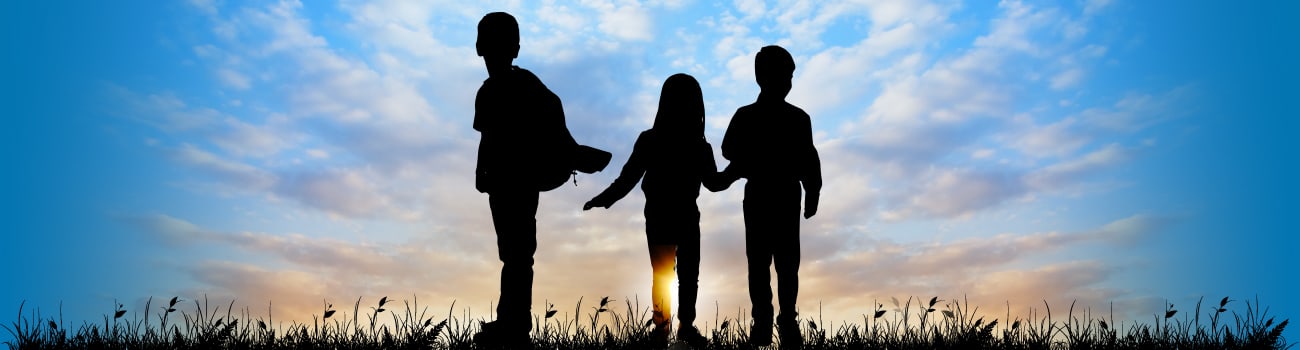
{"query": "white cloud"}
[(1137, 111), (887, 14), (1066, 79), (1131, 229), (240, 138), (1093, 51), (1073, 171), (751, 8), (163, 111), (1091, 7), (627, 22), (289, 32), (564, 18), (318, 153), (207, 6), (233, 79), (346, 192), (1060, 138), (1014, 29), (171, 115), (242, 176), (958, 192)]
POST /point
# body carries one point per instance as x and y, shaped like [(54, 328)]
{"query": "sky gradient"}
[(1010, 153)]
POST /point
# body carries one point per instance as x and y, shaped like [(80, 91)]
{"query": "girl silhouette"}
[(674, 159)]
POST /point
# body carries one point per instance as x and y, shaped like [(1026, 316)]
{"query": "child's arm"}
[(627, 179), (713, 180), (811, 174), (720, 181), (812, 183)]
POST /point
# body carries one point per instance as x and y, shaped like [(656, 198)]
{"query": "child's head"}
[(681, 107), (498, 36), (773, 68)]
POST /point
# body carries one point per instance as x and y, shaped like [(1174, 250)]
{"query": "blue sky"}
[(1099, 151)]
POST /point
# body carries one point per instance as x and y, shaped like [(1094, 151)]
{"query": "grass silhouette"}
[(913, 324)]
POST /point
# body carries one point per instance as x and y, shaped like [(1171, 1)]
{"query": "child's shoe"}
[(788, 329), (760, 334), (692, 336)]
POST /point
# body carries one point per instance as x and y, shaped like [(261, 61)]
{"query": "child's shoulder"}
[(796, 111), (521, 73), (525, 78), (747, 111), (517, 76), (771, 108), (787, 107)]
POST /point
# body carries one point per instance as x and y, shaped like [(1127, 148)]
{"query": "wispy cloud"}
[(240, 176)]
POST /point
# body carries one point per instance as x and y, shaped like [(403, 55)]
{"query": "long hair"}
[(681, 108)]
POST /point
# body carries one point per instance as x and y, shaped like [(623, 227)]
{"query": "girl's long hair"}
[(681, 108)]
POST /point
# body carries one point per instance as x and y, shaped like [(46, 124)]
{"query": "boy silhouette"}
[(769, 143), (522, 150)]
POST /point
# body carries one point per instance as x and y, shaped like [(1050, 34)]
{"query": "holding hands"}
[(720, 181)]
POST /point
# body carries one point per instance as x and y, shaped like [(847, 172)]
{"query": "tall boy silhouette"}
[(769, 143), (521, 153)]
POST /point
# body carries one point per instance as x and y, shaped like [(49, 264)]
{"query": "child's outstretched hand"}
[(810, 204), (593, 203)]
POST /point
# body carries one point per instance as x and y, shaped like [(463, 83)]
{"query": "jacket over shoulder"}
[(525, 143)]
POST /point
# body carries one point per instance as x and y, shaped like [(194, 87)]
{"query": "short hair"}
[(498, 31), (773, 61)]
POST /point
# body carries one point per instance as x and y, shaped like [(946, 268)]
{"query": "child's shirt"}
[(771, 142), (673, 169)]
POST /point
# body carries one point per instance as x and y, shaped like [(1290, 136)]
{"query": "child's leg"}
[(758, 253), (772, 228), (662, 259), (514, 217), (688, 275), (785, 255)]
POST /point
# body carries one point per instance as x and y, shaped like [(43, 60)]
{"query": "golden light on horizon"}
[(663, 260)]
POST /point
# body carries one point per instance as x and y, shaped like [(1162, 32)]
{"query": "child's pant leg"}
[(772, 235), (514, 215), (662, 259), (759, 256), (688, 274), (785, 255)]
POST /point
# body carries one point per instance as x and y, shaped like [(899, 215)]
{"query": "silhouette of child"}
[(674, 159), (523, 138), (769, 143)]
